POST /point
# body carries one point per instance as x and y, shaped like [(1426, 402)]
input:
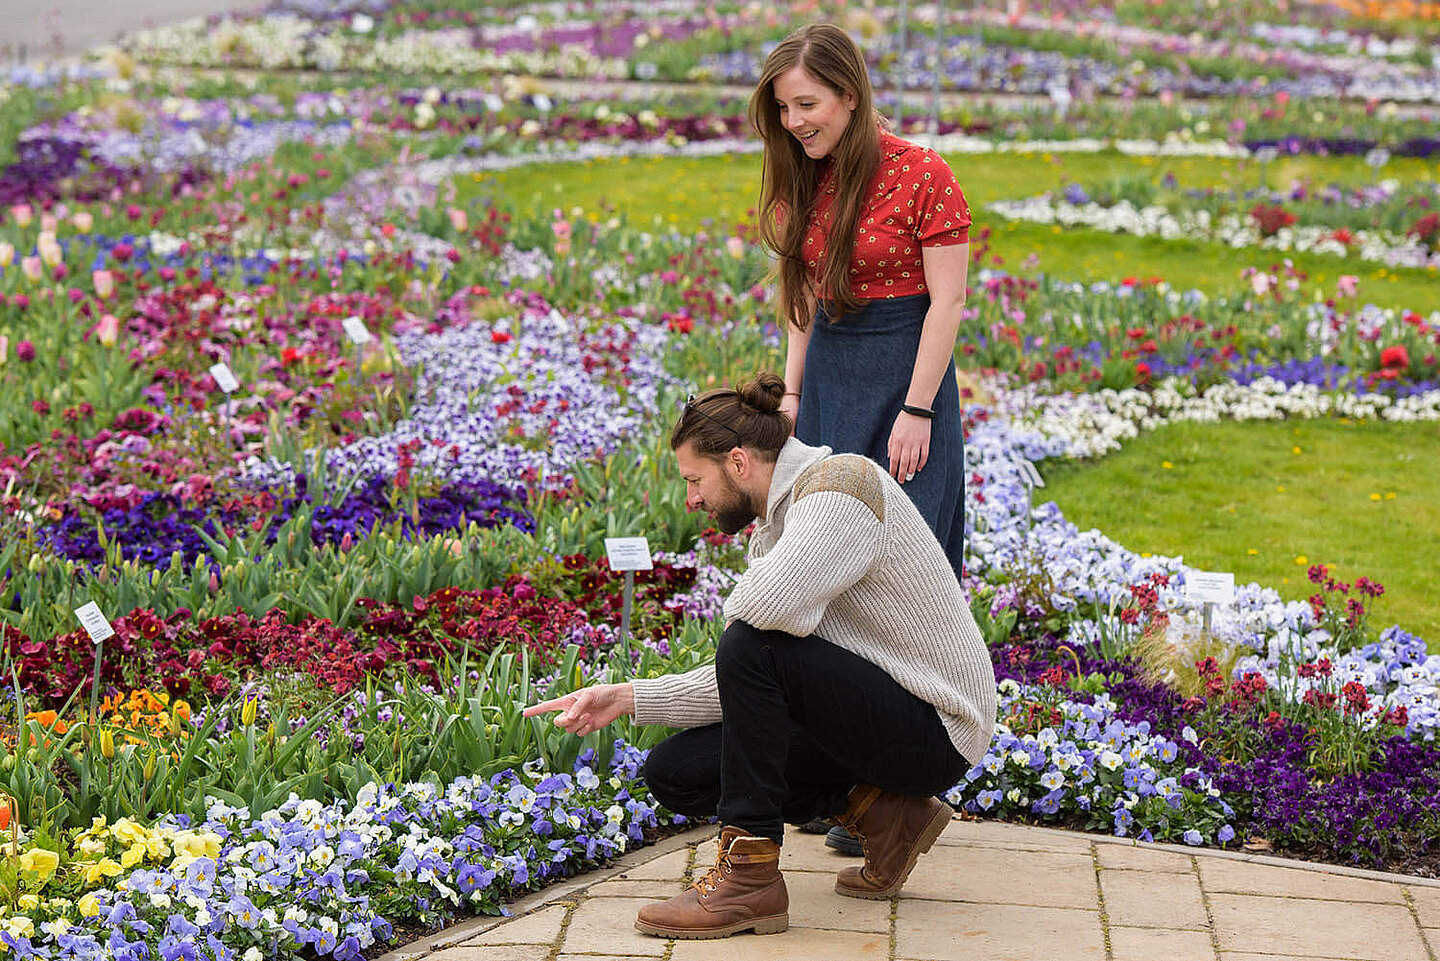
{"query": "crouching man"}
[(851, 682)]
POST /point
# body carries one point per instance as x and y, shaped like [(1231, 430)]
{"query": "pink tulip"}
[(31, 267), (83, 221), (108, 330), (25, 351), (4, 349), (104, 282), (48, 222), (23, 215), (1347, 285), (735, 247), (458, 220)]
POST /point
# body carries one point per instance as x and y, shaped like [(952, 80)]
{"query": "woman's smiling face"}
[(813, 113)]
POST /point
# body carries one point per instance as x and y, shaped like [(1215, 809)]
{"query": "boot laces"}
[(710, 880)]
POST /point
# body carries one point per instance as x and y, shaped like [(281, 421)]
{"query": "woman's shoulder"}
[(894, 148)]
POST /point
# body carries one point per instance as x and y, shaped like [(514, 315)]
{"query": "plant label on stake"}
[(359, 335), (224, 378), (628, 554), (95, 624), (1209, 588)]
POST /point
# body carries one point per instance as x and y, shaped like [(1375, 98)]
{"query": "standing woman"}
[(872, 236)]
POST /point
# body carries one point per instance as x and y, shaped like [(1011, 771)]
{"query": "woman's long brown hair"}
[(790, 178)]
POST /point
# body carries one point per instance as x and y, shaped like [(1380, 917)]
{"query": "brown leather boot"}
[(744, 891), (894, 830)]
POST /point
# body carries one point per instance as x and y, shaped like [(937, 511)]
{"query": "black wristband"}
[(924, 412)]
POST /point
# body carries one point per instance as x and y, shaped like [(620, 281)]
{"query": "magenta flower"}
[(25, 350)]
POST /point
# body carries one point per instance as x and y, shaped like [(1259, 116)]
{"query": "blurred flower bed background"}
[(458, 266)]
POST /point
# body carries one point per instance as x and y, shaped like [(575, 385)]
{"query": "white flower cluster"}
[(1231, 229), (1174, 144)]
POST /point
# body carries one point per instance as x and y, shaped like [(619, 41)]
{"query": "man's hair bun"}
[(764, 393)]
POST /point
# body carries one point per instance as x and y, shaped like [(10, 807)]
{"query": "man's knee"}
[(738, 646), (684, 774)]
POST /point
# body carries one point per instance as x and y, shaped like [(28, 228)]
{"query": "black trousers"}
[(804, 722)]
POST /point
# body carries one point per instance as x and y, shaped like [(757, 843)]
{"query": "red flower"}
[(1395, 357), (1271, 219), (499, 337), (290, 355)]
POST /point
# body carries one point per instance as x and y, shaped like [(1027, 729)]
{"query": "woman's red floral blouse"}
[(915, 202)]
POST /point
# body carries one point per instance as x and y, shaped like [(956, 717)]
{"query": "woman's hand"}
[(588, 709), (790, 406), (909, 446)]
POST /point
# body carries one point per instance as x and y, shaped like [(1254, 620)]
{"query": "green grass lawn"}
[(1265, 500), (701, 193)]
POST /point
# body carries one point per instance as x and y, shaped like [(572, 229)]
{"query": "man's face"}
[(711, 487)]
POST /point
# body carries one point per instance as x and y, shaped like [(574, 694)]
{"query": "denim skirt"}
[(857, 373)]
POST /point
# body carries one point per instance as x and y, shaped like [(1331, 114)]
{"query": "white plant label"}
[(356, 329), (1032, 476), (94, 622), (543, 103), (1209, 587), (224, 378), (493, 103), (628, 553)]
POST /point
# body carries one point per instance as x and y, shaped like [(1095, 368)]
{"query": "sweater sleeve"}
[(678, 700), (830, 540)]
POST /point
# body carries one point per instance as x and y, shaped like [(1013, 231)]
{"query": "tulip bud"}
[(108, 330), (83, 221), (735, 247), (458, 219), (107, 743), (7, 254), (49, 249), (149, 771), (104, 282), (247, 711)]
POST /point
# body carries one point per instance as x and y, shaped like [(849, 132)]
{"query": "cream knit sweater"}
[(843, 553)]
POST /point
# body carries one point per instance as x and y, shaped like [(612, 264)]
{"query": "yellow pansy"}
[(128, 832), (90, 847), (18, 926), (41, 861), (88, 905), (196, 844), (98, 871), (132, 856), (28, 902)]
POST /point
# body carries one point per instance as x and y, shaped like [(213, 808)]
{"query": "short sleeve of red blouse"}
[(943, 216)]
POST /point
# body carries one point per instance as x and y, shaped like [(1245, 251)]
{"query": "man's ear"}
[(739, 462)]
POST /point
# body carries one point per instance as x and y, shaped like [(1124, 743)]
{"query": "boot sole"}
[(923, 843), (771, 925)]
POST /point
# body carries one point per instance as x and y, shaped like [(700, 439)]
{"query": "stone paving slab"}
[(1158, 944), (1315, 928), (1149, 899), (987, 891)]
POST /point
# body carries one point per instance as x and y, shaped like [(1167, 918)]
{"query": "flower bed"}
[(334, 588)]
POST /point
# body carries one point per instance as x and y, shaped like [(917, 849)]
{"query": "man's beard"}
[(737, 512)]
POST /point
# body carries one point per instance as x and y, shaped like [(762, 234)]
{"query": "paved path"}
[(988, 892)]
